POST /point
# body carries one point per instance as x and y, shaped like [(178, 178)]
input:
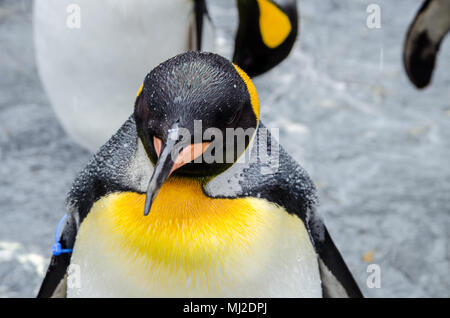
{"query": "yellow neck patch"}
[(274, 24), (193, 246), (184, 226), (251, 90)]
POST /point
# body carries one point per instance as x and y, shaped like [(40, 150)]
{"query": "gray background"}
[(376, 148)]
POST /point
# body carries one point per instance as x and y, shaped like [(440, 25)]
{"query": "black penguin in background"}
[(146, 219)]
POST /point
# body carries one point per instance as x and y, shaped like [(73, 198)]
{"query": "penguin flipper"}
[(54, 284), (423, 40), (337, 280), (55, 281)]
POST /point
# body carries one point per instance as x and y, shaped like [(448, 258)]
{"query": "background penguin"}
[(267, 31), (214, 229), (423, 40), (89, 72)]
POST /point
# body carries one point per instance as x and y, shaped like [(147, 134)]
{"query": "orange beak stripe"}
[(188, 154)]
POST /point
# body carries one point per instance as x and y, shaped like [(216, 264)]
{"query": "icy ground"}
[(377, 148)]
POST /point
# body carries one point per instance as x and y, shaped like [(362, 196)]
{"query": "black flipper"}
[(55, 278), (423, 40), (55, 274), (337, 281)]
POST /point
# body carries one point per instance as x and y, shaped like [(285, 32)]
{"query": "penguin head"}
[(195, 115), (266, 34)]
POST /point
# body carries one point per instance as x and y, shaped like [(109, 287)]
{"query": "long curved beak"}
[(169, 159), (162, 171)]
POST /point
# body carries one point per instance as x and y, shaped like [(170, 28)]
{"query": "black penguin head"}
[(195, 115), (266, 34)]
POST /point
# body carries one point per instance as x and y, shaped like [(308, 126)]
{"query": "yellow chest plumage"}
[(193, 245)]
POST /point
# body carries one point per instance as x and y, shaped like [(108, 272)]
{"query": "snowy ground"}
[(377, 148)]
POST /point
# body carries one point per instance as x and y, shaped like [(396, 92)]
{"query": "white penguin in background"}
[(83, 48)]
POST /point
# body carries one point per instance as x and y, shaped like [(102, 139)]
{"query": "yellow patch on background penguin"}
[(251, 90), (274, 24)]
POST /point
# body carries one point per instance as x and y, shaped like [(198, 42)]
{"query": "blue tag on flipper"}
[(56, 248)]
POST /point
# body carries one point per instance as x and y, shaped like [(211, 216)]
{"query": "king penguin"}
[(423, 40), (111, 41), (153, 216)]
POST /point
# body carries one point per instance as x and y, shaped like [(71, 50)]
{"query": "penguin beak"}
[(170, 159)]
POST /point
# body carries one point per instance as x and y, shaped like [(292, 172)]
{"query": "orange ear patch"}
[(251, 90)]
